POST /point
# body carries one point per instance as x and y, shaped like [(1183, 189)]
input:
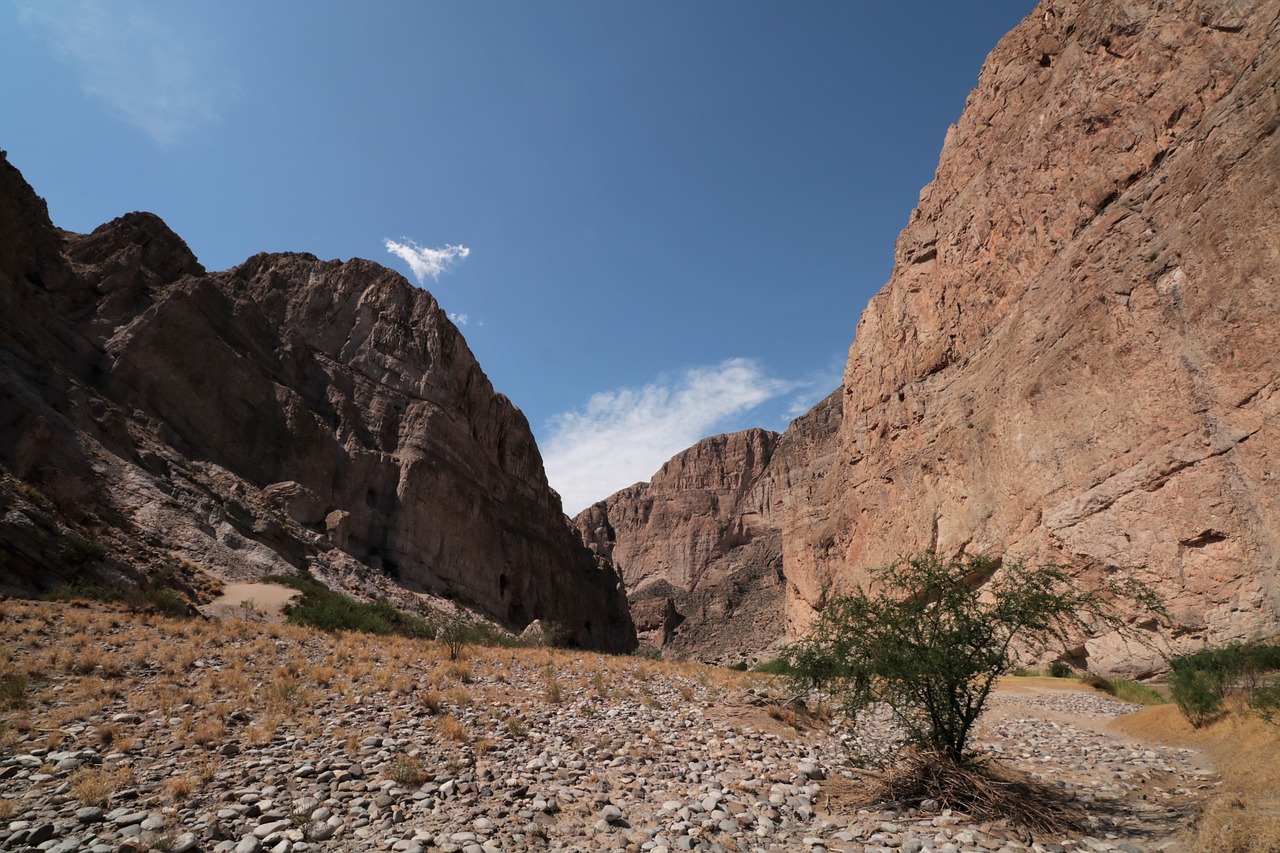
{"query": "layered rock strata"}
[(699, 546), (1074, 359), (286, 413)]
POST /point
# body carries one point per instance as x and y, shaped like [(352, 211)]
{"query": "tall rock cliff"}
[(700, 545), (288, 412), (1074, 359)]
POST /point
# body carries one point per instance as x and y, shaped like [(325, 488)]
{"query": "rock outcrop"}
[(1074, 359), (286, 413), (700, 545)]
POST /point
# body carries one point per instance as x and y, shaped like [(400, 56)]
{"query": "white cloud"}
[(458, 319), (624, 436), (426, 262), (147, 71)]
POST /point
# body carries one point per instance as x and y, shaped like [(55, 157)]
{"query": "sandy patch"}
[(266, 600)]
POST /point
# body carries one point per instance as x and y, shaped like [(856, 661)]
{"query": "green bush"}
[(1060, 669), (1135, 692), (322, 608), (740, 666), (80, 553), (777, 666), (934, 637), (1201, 682)]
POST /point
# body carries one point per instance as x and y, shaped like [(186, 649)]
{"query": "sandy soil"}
[(267, 600)]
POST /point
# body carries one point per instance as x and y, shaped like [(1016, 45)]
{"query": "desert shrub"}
[(13, 689), (1098, 682), (407, 770), (1135, 692), (777, 666), (1202, 682), (166, 602), (80, 553), (322, 608), (1060, 669), (933, 638), (740, 666)]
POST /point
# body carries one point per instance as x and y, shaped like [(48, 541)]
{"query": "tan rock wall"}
[(1074, 359)]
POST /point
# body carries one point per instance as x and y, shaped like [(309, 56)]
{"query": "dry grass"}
[(1244, 816), (984, 791), (451, 728), (8, 808), (180, 788), (93, 786)]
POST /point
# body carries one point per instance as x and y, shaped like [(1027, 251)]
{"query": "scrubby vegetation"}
[(1205, 682), (322, 608), (933, 638)]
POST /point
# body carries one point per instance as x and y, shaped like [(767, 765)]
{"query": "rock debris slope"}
[(1075, 358), (288, 412)]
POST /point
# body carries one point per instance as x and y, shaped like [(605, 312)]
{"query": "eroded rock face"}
[(286, 412), (700, 545), (1074, 360)]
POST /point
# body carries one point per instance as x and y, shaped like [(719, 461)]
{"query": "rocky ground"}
[(136, 733)]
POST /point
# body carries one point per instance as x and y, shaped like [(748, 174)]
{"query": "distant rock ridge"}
[(1075, 358), (286, 413), (700, 545)]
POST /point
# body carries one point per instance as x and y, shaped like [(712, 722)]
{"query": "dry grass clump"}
[(451, 728), (180, 788), (95, 786), (407, 770), (985, 791), (1244, 816)]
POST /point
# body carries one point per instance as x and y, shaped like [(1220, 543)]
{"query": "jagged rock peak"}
[(285, 413)]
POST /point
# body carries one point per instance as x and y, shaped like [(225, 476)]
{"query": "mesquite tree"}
[(933, 636)]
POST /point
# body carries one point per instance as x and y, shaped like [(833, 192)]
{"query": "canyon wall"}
[(1074, 359), (287, 413)]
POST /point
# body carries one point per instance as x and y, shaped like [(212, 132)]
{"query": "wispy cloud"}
[(146, 70), (458, 319), (623, 436), (426, 262)]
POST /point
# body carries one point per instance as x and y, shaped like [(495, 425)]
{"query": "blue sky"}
[(653, 221)]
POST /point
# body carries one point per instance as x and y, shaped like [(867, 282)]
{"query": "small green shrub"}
[(1201, 682), (13, 689), (740, 666), (1022, 672), (322, 608), (1060, 669), (777, 666), (166, 601), (1197, 693), (1135, 692), (407, 771), (1097, 682), (79, 552)]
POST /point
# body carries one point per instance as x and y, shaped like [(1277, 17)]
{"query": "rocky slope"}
[(700, 545), (259, 738), (286, 413), (1074, 359)]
